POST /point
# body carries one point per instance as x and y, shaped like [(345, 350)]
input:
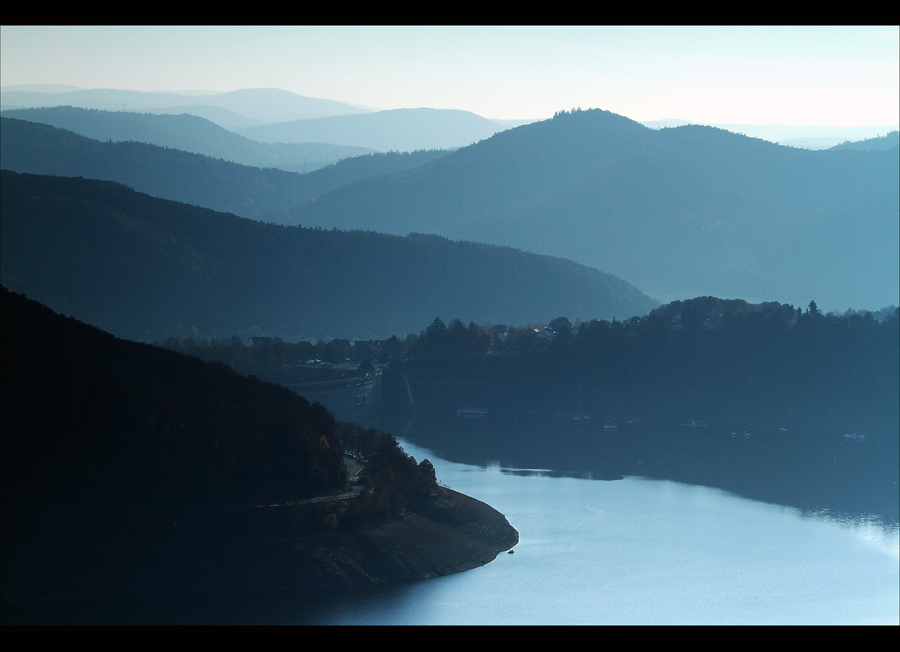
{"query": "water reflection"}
[(813, 472), (870, 528), (496, 467)]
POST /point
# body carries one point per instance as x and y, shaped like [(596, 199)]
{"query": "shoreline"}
[(452, 534)]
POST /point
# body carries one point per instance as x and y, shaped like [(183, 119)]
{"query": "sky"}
[(788, 75)]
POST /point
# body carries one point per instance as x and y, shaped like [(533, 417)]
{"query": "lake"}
[(639, 551)]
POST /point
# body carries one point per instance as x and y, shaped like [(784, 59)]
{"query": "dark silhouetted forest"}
[(703, 359), (89, 419)]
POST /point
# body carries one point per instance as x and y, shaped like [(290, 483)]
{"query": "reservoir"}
[(640, 551)]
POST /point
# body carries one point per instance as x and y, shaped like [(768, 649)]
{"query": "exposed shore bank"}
[(454, 533)]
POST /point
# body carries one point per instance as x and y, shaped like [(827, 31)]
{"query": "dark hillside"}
[(89, 419), (129, 471)]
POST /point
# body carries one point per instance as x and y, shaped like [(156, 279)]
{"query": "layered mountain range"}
[(680, 212), (276, 116), (185, 159), (240, 108)]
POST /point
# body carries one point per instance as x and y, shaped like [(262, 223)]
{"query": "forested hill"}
[(889, 140), (89, 419), (192, 178), (129, 471), (146, 268), (706, 358), (680, 212)]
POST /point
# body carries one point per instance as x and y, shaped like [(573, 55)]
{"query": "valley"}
[(209, 301)]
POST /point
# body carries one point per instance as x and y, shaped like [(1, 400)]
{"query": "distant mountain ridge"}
[(393, 130), (188, 133), (681, 212), (37, 148), (276, 116), (263, 105), (805, 136), (145, 268)]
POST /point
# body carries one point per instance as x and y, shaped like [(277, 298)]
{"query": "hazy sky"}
[(846, 76)]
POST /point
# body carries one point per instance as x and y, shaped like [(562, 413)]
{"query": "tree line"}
[(704, 358)]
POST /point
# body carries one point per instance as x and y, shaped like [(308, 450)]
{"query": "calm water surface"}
[(638, 551)]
